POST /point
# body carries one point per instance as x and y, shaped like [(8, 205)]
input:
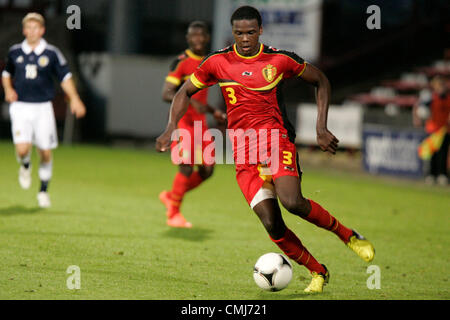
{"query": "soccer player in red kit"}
[(250, 75), (187, 178)]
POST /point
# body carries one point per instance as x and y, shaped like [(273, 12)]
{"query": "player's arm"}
[(417, 122), (171, 88), (10, 93), (169, 91), (326, 140), (219, 115), (76, 105), (7, 75), (178, 108)]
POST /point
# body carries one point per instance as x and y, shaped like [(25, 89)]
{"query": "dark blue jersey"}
[(33, 70)]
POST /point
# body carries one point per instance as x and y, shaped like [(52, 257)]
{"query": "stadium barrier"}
[(345, 121), (392, 151)]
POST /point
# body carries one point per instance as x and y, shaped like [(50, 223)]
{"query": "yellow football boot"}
[(361, 246), (319, 280)]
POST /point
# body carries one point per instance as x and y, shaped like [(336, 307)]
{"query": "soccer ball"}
[(272, 272)]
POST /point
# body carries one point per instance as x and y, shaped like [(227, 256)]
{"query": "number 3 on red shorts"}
[(287, 157)]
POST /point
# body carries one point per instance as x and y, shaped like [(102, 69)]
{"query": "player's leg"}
[(180, 187), (205, 172), (202, 174), (45, 175), (182, 152), (287, 181), (23, 154), (173, 199), (22, 133), (207, 155), (289, 191), (259, 192), (269, 213), (442, 158), (46, 140), (433, 171), (201, 155)]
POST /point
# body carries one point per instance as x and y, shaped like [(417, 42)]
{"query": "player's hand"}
[(163, 141), (77, 108), (11, 96), (220, 116), (327, 141)]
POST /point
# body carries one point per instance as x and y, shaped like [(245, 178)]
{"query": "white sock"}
[(24, 160), (46, 171)]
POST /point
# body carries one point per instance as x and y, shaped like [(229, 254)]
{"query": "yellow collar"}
[(193, 55), (245, 57)]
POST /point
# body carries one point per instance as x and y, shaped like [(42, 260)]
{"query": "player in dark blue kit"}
[(28, 83)]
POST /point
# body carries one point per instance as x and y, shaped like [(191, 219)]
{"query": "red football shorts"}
[(193, 146), (256, 180)]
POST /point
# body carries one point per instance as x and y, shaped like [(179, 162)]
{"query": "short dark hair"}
[(246, 13), (199, 24)]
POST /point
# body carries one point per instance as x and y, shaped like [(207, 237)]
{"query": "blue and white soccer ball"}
[(272, 272)]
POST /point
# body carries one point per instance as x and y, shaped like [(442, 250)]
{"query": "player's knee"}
[(46, 156), (22, 151), (296, 205), (275, 228), (186, 170), (276, 231), (206, 172)]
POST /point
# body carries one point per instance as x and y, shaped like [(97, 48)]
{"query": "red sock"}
[(179, 188), (194, 180), (293, 248), (323, 219)]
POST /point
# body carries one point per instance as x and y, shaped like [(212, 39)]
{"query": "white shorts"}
[(267, 191), (34, 123)]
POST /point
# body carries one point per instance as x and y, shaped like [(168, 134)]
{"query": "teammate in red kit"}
[(250, 75), (187, 179)]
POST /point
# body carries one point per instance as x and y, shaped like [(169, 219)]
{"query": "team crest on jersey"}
[(43, 61), (269, 72)]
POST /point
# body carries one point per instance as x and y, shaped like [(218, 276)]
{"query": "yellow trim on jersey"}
[(244, 57), (193, 55), (304, 68), (173, 80), (197, 82), (265, 88)]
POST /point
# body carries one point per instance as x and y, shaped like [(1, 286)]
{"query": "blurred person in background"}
[(187, 178), (28, 83), (433, 113)]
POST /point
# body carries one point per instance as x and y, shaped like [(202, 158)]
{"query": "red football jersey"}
[(181, 69), (251, 86)]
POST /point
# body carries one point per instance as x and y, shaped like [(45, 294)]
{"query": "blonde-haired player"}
[(28, 84)]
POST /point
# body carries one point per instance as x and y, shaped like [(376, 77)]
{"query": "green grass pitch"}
[(107, 220)]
